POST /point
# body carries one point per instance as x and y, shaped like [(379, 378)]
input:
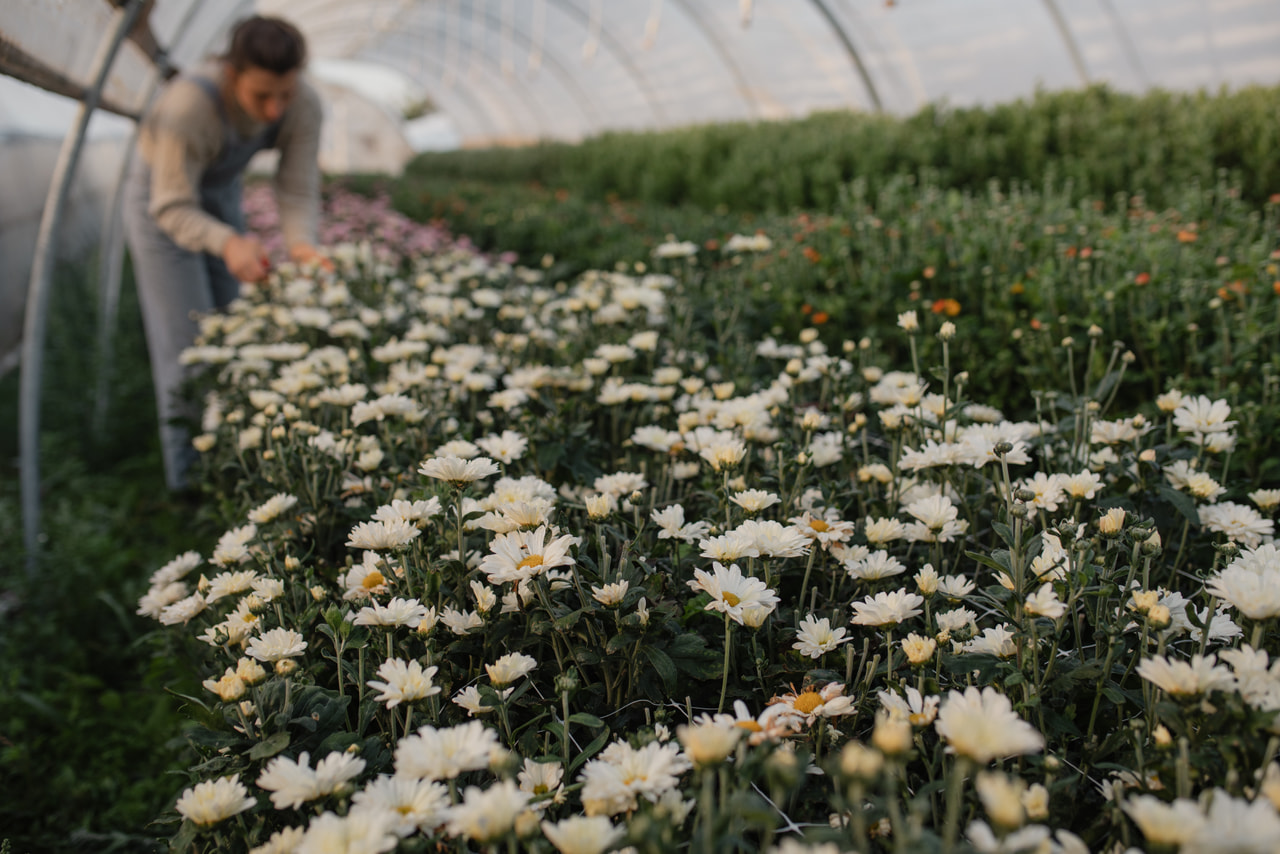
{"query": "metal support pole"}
[(111, 246), (1068, 41), (37, 310), (852, 52)]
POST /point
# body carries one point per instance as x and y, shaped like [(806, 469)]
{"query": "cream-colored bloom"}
[(1045, 603), (583, 834), (1001, 797), (412, 804), (271, 509), (888, 608), (406, 681), (918, 649), (805, 707), (754, 500), (710, 742), (397, 612), (276, 644), (983, 726), (293, 782), (610, 594), (510, 667), (732, 592), (457, 471), (211, 801), (488, 814), (815, 637), (469, 699), (1186, 678), (362, 831), (382, 535), (908, 321), (442, 754), (520, 555), (229, 687)]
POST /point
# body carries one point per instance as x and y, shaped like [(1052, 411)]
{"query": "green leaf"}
[(591, 749), (663, 664), (185, 838), (1182, 502), (585, 720), (269, 746)]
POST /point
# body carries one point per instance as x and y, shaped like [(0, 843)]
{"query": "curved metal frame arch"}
[(735, 72), (576, 93), (498, 126), (621, 54), (37, 308), (852, 52), (1068, 40)]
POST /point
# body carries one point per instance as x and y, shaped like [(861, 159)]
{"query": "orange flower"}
[(1072, 251), (1035, 323), (819, 318), (929, 272), (1186, 235), (1086, 252), (1275, 199), (806, 309), (1142, 278), (812, 254), (711, 245), (562, 195), (1017, 288), (1275, 286), (947, 306)]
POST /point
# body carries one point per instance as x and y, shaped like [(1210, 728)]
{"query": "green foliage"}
[(1095, 141), (88, 738)]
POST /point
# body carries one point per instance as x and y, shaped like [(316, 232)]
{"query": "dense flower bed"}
[(529, 563)]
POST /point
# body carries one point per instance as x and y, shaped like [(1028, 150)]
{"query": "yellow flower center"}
[(918, 719), (530, 561), (541, 789), (749, 726), (819, 526), (807, 702), (372, 580), (730, 598)]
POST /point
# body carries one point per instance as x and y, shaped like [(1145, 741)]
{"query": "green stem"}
[(724, 677)]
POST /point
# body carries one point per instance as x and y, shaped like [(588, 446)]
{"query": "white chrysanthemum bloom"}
[(937, 520), (815, 637), (955, 587), (673, 249), (406, 681), (620, 484), (885, 530), (1251, 583), (919, 649), (416, 513), (709, 742), (613, 782), (365, 579), (506, 447), (824, 526), (383, 535), (387, 406), (281, 842), (233, 546), (293, 782), (345, 395), (458, 448), (729, 547), (183, 610), (176, 569), (791, 845), (1045, 603), (1200, 416), (485, 815), (610, 594), (397, 612), (267, 589), (457, 471), (211, 801), (469, 699), (460, 622), (875, 566), (1001, 797), (748, 243), (1234, 825), (994, 640), (413, 804), (540, 778), (277, 644), (1164, 824), (1084, 484), (908, 321), (1201, 485), (671, 525), (1186, 679), (510, 667), (1240, 523), (270, 510), (585, 834), (888, 608), (520, 555), (1047, 488), (229, 584), (732, 592), (982, 726), (443, 754), (917, 709), (363, 831), (1266, 499), (754, 500), (773, 539), (794, 710), (154, 602)]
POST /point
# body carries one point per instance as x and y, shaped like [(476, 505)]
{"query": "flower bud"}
[(1159, 617), (892, 734), (858, 760)]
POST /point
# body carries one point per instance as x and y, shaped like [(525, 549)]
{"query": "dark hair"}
[(271, 44)]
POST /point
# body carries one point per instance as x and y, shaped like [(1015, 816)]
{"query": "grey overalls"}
[(175, 284)]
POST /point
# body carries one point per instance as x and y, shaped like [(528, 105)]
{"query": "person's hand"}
[(304, 254), (245, 257)]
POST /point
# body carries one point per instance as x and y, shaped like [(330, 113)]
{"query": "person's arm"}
[(297, 184)]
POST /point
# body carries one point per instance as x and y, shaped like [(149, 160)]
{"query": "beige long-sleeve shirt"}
[(183, 135)]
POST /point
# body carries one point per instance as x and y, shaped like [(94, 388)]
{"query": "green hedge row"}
[(1099, 141)]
